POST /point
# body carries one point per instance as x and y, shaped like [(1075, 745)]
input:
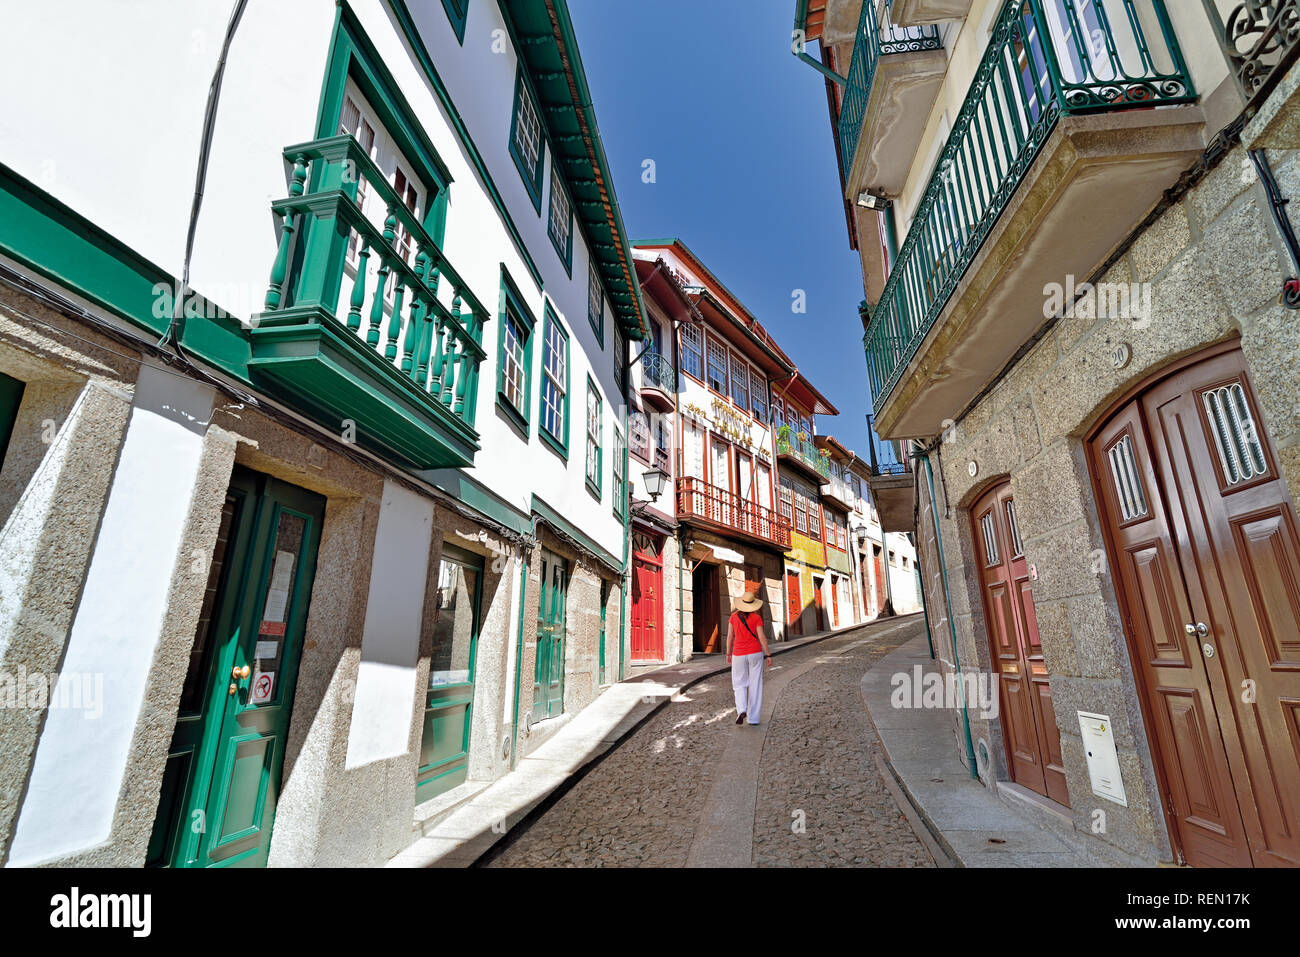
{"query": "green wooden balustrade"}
[(874, 40), (414, 313), (1087, 56)]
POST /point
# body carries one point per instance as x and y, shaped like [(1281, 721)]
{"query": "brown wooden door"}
[(1206, 536), (1032, 739), (819, 603), (704, 592)]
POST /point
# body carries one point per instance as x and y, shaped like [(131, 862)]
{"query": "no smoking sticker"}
[(263, 687)]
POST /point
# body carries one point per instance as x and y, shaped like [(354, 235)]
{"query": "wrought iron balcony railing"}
[(698, 499), (874, 40), (399, 316), (805, 451), (657, 372), (1086, 58), (1261, 40)]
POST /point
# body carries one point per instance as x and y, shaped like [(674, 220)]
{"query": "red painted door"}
[(878, 560), (647, 610), (1032, 740), (793, 603), (835, 603), (819, 604), (1208, 547)]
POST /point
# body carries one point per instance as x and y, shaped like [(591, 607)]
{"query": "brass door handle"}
[(240, 673)]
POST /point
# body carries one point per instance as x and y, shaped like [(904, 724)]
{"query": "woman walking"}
[(746, 653)]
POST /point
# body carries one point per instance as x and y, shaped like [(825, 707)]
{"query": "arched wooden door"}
[(1204, 542), (1024, 696)]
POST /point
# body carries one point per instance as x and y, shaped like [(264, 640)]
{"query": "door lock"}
[(240, 673), (1208, 649)]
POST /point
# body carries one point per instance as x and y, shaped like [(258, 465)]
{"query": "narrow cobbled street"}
[(691, 788)]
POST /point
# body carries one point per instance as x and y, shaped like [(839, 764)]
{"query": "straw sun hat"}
[(750, 601)]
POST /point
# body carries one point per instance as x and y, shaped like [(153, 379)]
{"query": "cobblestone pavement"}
[(642, 804)]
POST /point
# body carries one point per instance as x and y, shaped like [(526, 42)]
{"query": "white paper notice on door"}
[(277, 594)]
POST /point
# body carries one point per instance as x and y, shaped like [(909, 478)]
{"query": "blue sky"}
[(745, 168)]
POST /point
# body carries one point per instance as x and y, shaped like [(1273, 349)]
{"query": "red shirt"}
[(745, 629)]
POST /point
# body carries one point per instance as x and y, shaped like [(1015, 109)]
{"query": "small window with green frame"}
[(554, 399), (594, 451), (560, 221), (619, 453), (515, 355), (595, 302), (620, 360), (355, 63), (527, 144), (457, 13)]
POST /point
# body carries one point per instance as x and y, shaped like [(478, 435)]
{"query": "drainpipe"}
[(920, 580), (519, 646), (891, 240), (952, 625), (627, 548), (820, 67)]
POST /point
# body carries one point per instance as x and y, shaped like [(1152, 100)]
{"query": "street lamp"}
[(655, 480), (860, 537), (870, 200)]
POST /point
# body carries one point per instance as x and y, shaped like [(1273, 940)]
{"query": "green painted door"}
[(548, 684), (223, 770), (449, 700)]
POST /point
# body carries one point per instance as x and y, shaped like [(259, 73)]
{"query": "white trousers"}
[(747, 683)]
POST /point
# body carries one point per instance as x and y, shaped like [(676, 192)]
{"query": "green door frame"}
[(219, 743), (548, 684), (451, 703)]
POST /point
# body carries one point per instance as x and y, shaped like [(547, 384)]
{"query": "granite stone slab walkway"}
[(975, 826), (691, 788), (473, 829)]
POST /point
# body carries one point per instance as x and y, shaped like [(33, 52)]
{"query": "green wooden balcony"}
[(381, 341), (800, 450), (877, 39), (1095, 69)]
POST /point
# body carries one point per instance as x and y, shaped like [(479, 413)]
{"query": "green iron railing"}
[(436, 345), (874, 40), (1045, 59), (804, 450)]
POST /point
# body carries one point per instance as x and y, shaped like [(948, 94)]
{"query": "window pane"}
[(595, 300), (560, 219), (717, 367), (693, 351), (758, 394), (739, 382), (553, 381), (453, 632), (528, 130)]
